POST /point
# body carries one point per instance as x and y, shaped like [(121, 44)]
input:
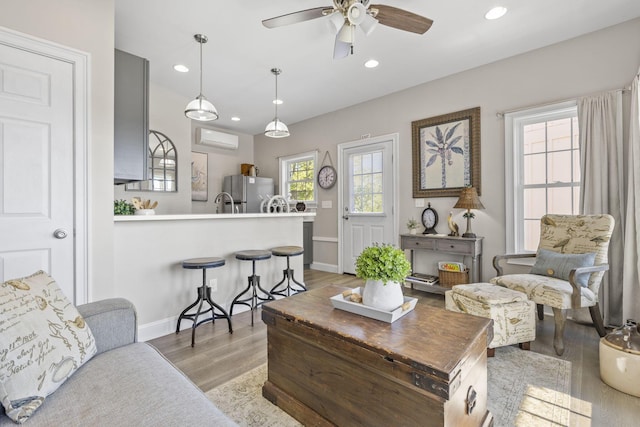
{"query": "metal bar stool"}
[(254, 299), (204, 294), (287, 251)]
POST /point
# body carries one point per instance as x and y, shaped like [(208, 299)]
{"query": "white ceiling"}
[(241, 51)]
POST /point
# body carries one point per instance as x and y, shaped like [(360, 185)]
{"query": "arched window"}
[(162, 165)]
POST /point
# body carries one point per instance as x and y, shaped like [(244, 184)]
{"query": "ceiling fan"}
[(346, 15)]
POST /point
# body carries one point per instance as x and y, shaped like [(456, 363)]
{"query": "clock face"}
[(429, 218), (327, 177)]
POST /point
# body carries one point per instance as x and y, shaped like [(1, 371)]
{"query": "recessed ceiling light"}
[(277, 101), (181, 68), (235, 119), (496, 12), (372, 63)]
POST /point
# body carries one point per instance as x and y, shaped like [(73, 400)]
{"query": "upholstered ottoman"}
[(513, 314)]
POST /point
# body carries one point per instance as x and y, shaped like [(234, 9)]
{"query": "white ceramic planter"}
[(383, 296), (145, 212)]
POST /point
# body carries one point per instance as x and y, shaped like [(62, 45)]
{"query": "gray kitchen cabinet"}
[(131, 118), (307, 243)]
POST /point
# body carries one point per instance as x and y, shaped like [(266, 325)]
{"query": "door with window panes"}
[(368, 187)]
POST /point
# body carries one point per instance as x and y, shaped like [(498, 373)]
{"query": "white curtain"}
[(602, 189), (630, 284)]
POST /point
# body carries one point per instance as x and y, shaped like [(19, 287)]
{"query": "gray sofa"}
[(126, 383)]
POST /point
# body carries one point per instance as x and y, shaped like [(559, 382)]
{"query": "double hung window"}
[(542, 170), (297, 178)]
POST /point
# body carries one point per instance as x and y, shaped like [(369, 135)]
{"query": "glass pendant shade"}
[(276, 129), (200, 108)]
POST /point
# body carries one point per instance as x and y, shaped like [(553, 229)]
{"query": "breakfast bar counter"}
[(150, 250)]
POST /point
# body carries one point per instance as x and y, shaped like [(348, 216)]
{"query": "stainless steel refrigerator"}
[(247, 192)]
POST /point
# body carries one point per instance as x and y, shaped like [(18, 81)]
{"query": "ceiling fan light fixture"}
[(346, 33), (275, 128), (335, 21), (368, 24), (200, 108), (356, 13)]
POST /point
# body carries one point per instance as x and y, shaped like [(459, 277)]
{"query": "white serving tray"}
[(341, 303)]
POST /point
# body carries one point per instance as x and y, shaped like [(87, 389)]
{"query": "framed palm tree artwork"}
[(446, 154)]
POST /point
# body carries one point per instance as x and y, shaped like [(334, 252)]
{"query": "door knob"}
[(60, 233)]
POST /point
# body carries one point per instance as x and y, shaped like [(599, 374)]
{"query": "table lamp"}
[(469, 200)]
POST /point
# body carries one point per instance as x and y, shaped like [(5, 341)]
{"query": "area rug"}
[(525, 389)]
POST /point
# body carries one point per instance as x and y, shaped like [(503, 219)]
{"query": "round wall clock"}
[(327, 177), (429, 220)]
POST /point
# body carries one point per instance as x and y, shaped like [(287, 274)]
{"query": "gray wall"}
[(599, 61)]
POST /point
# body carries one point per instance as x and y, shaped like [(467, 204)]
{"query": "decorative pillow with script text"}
[(43, 340)]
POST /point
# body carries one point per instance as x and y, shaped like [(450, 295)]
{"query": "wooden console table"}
[(329, 367), (468, 246)]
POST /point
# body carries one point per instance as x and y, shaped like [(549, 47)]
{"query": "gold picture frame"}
[(446, 154)]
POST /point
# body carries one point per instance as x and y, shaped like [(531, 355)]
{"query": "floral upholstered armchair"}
[(570, 262)]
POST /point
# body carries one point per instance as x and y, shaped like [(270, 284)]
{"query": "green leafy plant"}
[(122, 207), (382, 262), (412, 224)]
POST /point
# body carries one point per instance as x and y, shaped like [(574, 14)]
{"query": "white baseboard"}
[(167, 326), (329, 268)]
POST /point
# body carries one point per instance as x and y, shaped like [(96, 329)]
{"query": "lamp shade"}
[(276, 129), (368, 24), (356, 13), (335, 21), (201, 109), (469, 199)]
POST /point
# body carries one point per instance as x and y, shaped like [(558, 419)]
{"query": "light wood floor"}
[(219, 356)]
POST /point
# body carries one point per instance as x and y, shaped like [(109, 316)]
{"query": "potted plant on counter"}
[(122, 207), (384, 268), (412, 225)]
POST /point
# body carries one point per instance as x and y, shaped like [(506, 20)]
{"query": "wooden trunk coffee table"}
[(332, 367)]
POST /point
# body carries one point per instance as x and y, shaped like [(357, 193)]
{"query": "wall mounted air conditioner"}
[(212, 138)]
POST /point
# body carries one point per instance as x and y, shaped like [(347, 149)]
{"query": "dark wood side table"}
[(467, 246)]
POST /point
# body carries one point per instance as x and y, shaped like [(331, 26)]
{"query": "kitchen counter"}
[(149, 250), (307, 216)]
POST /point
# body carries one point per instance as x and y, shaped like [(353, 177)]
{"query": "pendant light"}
[(200, 108), (275, 128)]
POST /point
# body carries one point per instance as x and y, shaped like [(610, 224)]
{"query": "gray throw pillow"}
[(554, 264)]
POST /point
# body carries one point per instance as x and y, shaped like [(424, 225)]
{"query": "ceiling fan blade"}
[(341, 49), (295, 17), (401, 19)]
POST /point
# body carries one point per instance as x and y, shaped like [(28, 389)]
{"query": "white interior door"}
[(368, 196), (36, 166)]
